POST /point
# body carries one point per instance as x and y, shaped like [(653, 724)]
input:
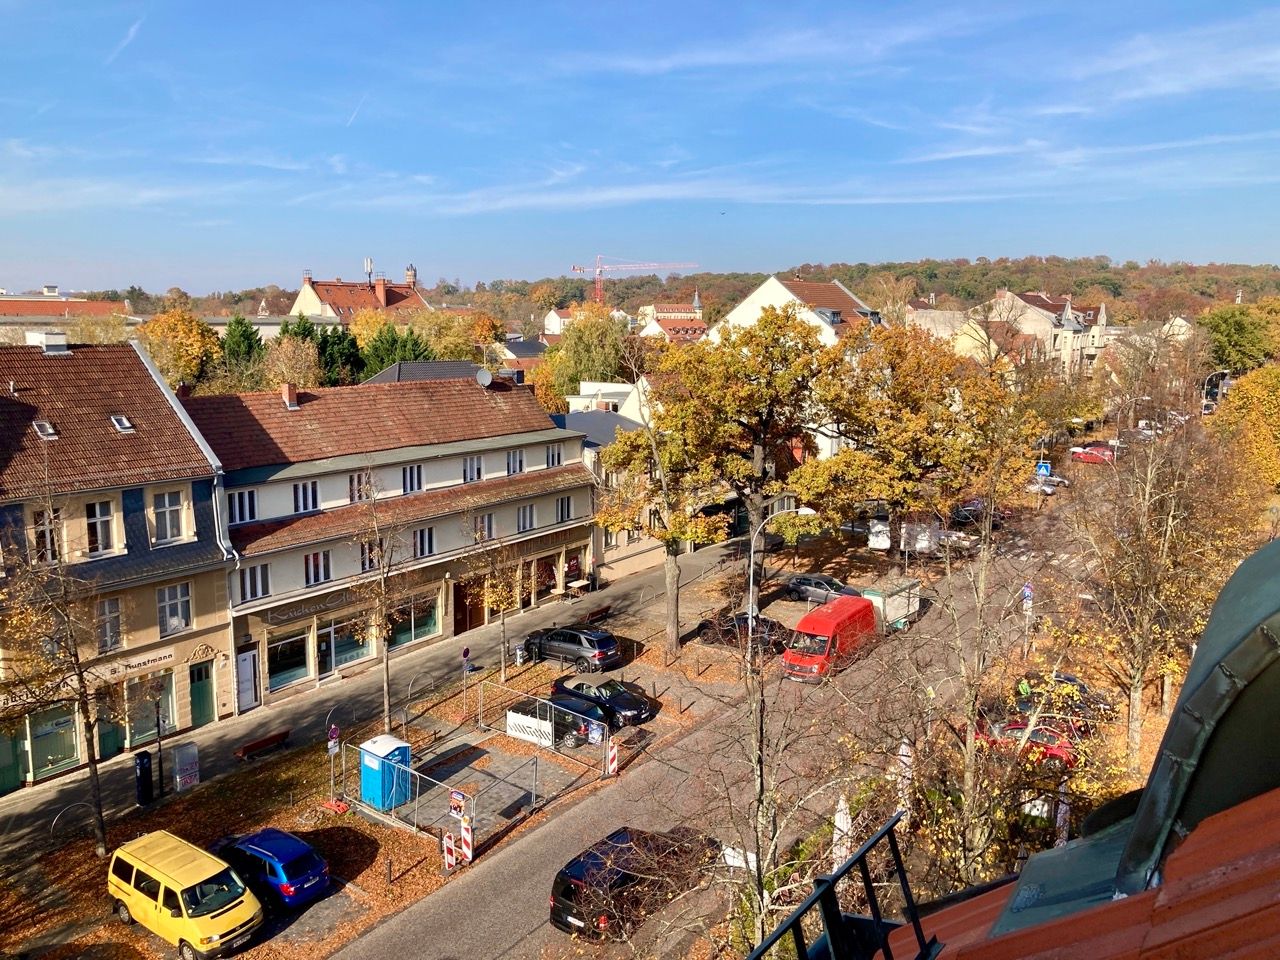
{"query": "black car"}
[(589, 649), (732, 630), (606, 891), (574, 721), (621, 703), (974, 512), (1065, 697)]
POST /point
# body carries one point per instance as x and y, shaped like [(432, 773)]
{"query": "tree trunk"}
[(1166, 693), (755, 558), (763, 806), (89, 722), (502, 623), (1134, 731), (671, 575)]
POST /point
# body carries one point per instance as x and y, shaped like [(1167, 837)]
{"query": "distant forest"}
[(1132, 291)]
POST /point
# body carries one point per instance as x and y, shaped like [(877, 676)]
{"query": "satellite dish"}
[(484, 377)]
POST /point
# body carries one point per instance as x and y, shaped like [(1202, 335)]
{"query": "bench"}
[(251, 749), (599, 614)]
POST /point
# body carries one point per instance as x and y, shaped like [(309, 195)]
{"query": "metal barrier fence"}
[(525, 716), (398, 791)]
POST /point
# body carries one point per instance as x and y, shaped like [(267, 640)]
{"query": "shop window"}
[(142, 696), (286, 661), (418, 619), (349, 643), (54, 744)]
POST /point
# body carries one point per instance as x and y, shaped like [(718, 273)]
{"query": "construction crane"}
[(601, 268)]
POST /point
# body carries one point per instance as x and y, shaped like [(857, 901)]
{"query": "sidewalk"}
[(26, 814)]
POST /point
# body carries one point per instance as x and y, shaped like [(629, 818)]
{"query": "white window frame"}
[(173, 603), (46, 529), (555, 455), (564, 509), (370, 555), (306, 496), (411, 478), (242, 506), (424, 541), (359, 486), (472, 468), (515, 461), (526, 518), (317, 567), (172, 513), (255, 582), (101, 523), (107, 624), (483, 527)]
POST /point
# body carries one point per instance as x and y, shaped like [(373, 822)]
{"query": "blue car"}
[(283, 871)]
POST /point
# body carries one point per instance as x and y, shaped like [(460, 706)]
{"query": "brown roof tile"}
[(828, 296), (255, 429), (682, 331), (347, 522), (59, 307), (346, 298), (78, 393)]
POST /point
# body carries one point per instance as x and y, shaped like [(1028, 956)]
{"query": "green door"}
[(201, 693), (13, 767), (110, 739)]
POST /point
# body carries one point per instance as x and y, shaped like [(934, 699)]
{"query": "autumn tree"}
[(366, 324), (183, 347), (1248, 418), (390, 346), (449, 335), (242, 344), (291, 360), (97, 329), (497, 571), (1241, 336), (546, 386), (486, 328), (889, 295), (545, 295)]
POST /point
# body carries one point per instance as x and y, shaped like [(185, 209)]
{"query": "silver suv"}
[(819, 587)]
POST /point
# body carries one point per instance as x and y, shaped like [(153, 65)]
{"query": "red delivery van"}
[(827, 637)]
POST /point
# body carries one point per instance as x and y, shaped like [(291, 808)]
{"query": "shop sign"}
[(277, 616), (146, 662)]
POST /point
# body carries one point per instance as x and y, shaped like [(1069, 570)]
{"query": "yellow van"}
[(182, 893)]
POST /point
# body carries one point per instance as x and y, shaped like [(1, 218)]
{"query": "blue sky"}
[(218, 146)]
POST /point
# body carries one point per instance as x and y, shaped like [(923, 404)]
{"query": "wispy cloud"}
[(356, 112), (264, 161), (74, 194), (128, 39)]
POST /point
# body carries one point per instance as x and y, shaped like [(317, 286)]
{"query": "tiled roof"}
[(826, 296), (565, 314), (550, 339), (78, 393), (346, 298), (525, 348), (256, 429), (682, 331), (348, 522), (674, 308), (600, 426), (37, 306), (919, 303), (404, 370)]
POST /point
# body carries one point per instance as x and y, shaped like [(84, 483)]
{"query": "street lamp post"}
[(160, 747), (751, 573)]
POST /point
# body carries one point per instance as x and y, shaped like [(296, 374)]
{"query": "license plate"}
[(575, 921), (239, 942)]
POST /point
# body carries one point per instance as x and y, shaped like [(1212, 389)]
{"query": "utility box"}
[(143, 784), (384, 772)]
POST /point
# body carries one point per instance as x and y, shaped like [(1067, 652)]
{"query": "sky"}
[(229, 145)]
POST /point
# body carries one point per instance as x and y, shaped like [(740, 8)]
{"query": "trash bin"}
[(519, 657), (143, 784)]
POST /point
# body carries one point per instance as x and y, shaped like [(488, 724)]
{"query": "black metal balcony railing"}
[(849, 936)]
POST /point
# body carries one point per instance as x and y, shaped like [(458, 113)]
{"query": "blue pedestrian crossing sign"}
[(1027, 591), (1044, 468)]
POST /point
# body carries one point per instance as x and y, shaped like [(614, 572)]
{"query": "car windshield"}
[(610, 688), (209, 895), (302, 866), (831, 583), (808, 643)]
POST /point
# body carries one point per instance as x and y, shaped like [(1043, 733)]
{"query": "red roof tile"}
[(682, 331), (346, 298), (674, 308), (827, 296), (347, 522), (255, 429), (78, 393), (37, 306)]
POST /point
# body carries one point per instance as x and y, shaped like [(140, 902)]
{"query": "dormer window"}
[(122, 423), (45, 429)]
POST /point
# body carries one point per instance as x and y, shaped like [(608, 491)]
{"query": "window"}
[(286, 661), (242, 505), (564, 509), (306, 497), (555, 454), (411, 478), (146, 884), (417, 619), (255, 582), (515, 462), (45, 429), (174, 607), (610, 538), (472, 468), (371, 555), (525, 518), (107, 624), (122, 870), (359, 486), (98, 518), (484, 527), (168, 507), (122, 423), (424, 541), (316, 567), (170, 901), (48, 533)]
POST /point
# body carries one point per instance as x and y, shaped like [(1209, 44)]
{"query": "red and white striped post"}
[(466, 839), (613, 758), (450, 857)]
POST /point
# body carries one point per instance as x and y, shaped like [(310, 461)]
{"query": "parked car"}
[(573, 720), (606, 891), (819, 587), (974, 512), (623, 705), (281, 870), (1093, 454), (1054, 480), (1042, 488), (828, 638), (731, 630), (588, 648), (1207, 408), (1063, 695), (1049, 742)]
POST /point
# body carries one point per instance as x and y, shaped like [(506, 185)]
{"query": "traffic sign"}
[(466, 653), (457, 804), (450, 856), (1028, 591), (466, 839), (1044, 468), (333, 731), (333, 748)]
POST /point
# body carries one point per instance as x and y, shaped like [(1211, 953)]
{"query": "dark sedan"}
[(732, 629), (622, 704)]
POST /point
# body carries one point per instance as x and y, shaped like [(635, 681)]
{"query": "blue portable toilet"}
[(384, 772)]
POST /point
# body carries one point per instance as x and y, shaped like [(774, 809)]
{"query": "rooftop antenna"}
[(368, 269)]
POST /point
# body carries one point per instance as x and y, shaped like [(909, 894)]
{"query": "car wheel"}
[(582, 665), (122, 911), (707, 634), (793, 595), (187, 952)]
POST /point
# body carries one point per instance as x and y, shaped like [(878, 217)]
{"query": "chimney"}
[(183, 391), (50, 289), (306, 278), (289, 394), (1239, 294), (380, 288), (933, 298), (411, 275), (52, 342)]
